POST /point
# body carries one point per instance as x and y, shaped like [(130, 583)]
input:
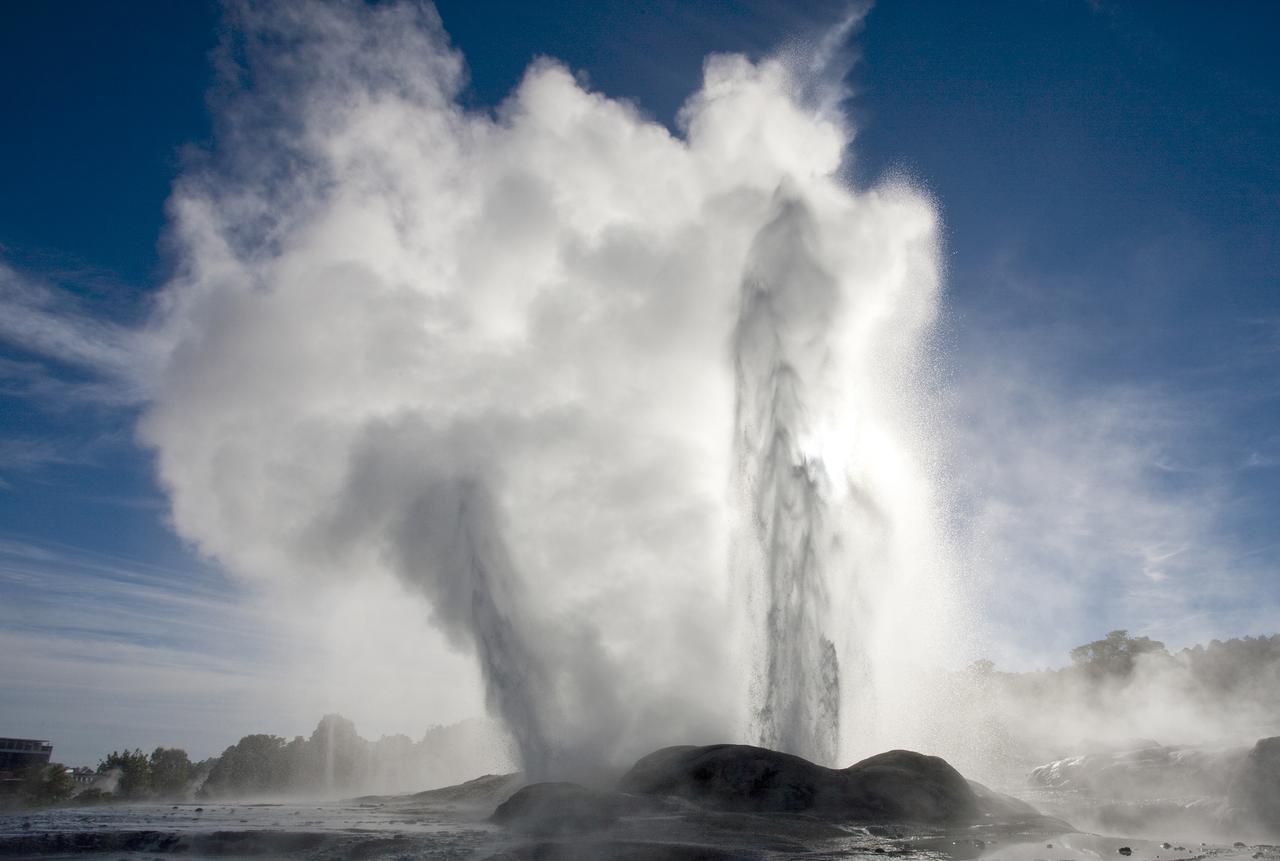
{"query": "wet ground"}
[(409, 828), (325, 830)]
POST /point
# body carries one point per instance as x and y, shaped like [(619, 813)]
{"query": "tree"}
[(336, 754), (47, 783), (255, 765), (133, 772), (1115, 654), (92, 795), (201, 770), (170, 771)]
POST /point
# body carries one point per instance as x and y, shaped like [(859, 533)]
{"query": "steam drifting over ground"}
[(613, 403)]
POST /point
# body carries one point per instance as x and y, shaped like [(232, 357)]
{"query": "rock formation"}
[(729, 787), (1255, 791), (898, 786)]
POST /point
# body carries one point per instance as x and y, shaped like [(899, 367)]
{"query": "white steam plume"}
[(494, 357)]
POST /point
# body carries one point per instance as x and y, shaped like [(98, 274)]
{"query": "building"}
[(16, 756)]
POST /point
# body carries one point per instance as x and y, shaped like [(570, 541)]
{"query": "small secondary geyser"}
[(638, 417)]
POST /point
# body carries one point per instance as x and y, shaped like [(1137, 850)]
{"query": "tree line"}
[(167, 773), (1242, 668), (333, 759), (1233, 674)]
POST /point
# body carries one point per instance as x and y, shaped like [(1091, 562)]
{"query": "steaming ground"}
[(616, 406), (437, 827)]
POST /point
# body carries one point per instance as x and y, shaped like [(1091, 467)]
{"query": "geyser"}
[(780, 348), (640, 416)]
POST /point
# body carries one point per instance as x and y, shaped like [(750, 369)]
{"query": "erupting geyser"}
[(640, 416), (788, 300)]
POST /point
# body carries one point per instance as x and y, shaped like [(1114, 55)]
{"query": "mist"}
[(491, 356)]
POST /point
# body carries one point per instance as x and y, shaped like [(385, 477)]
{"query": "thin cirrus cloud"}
[(50, 324), (1096, 495), (100, 652)]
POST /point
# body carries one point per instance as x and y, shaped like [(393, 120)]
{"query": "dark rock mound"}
[(905, 786), (487, 790), (1000, 806), (732, 777), (1255, 790), (558, 808), (898, 786)]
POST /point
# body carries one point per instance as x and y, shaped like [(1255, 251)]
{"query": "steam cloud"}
[(636, 414)]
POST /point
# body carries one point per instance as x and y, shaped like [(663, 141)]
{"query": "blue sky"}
[(1109, 179)]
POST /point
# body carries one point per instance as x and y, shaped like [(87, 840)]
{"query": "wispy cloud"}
[(1092, 500), (24, 454), (100, 651), (75, 354), (75, 376)]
